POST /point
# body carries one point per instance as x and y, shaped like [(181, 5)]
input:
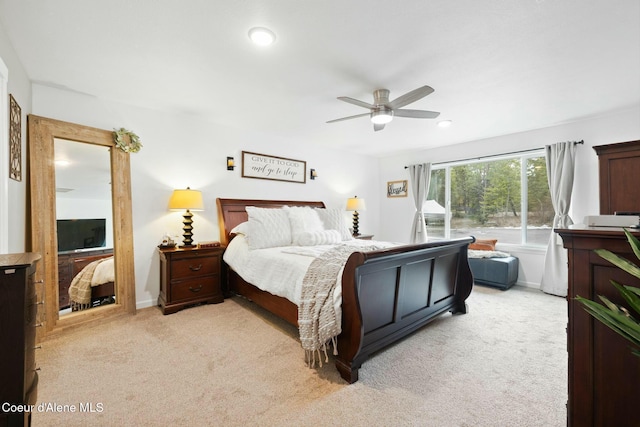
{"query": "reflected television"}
[(76, 234)]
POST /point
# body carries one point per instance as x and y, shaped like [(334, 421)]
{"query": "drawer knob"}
[(198, 289), (195, 268)]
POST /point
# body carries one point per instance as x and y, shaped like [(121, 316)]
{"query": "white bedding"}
[(104, 273), (280, 270)]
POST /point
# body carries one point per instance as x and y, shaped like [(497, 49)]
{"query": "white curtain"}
[(560, 167), (419, 177)]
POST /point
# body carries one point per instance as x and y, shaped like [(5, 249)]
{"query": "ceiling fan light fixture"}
[(382, 116), (262, 36)]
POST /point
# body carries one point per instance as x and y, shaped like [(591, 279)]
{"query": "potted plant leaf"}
[(616, 317)]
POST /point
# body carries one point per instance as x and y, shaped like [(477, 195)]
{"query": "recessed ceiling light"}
[(262, 36), (444, 123)]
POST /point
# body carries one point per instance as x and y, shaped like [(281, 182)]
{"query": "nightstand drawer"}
[(194, 289), (194, 266)]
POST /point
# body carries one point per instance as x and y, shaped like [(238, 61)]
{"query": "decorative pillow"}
[(302, 219), (484, 245), (268, 228), (323, 237), (333, 219)]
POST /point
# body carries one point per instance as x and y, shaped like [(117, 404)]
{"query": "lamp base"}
[(356, 231), (186, 230)]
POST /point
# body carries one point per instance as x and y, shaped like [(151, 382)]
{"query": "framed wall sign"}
[(15, 140), (397, 188), (262, 166)]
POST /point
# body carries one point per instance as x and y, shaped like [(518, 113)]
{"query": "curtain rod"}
[(496, 155)]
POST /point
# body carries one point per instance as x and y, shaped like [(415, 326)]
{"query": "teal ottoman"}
[(499, 273)]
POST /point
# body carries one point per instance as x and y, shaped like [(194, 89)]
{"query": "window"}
[(505, 198)]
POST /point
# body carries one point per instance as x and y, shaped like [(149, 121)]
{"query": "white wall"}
[(620, 126), (14, 194), (181, 151)]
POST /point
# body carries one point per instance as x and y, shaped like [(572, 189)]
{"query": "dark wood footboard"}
[(388, 294)]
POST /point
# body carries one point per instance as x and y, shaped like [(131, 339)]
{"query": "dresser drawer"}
[(194, 266), (185, 290)]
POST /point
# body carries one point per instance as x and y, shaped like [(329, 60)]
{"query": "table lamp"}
[(191, 200), (354, 204)]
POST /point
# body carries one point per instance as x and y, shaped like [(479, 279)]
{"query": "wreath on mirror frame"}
[(128, 145)]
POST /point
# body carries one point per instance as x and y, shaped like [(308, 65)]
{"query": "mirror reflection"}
[(84, 222)]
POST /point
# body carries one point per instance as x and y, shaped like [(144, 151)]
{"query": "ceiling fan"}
[(382, 110)]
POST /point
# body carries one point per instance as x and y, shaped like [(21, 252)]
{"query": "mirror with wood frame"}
[(44, 134)]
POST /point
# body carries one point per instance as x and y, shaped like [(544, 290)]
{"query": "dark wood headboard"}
[(231, 212)]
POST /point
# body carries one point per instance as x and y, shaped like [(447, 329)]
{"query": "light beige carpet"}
[(232, 364)]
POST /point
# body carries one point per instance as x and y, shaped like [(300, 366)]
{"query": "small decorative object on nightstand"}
[(190, 276)]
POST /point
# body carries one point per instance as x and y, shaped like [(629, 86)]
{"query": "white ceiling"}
[(497, 66)]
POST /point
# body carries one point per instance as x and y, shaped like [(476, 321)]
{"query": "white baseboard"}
[(529, 285), (145, 304)]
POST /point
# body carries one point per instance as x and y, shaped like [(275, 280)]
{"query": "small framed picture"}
[(397, 188)]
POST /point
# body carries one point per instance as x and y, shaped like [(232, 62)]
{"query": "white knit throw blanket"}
[(318, 319)]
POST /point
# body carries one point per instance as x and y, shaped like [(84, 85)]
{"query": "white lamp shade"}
[(355, 204), (186, 199)]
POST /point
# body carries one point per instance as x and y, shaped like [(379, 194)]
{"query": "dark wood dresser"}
[(190, 276), (604, 376), (18, 308)]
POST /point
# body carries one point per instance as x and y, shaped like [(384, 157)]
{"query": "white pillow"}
[(323, 237), (242, 228), (303, 219), (333, 219), (268, 228)]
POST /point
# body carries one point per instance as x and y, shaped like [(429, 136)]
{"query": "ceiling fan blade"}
[(348, 118), (416, 114), (377, 127), (356, 102), (410, 97)]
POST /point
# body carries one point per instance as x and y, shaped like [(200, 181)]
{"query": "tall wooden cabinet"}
[(604, 376), (18, 307)]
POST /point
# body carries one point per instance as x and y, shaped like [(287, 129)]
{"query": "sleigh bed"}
[(386, 294), (100, 279)]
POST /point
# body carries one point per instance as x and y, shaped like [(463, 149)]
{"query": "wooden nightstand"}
[(364, 236), (189, 276)]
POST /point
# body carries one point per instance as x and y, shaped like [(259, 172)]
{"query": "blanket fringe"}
[(76, 306), (310, 355)]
